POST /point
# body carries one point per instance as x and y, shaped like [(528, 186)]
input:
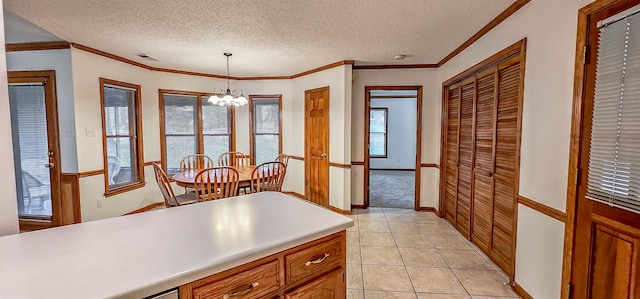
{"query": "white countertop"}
[(139, 255)]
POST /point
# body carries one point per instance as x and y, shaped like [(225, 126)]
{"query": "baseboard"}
[(146, 208), (296, 194), (520, 291), (429, 209), (357, 206), (339, 211)]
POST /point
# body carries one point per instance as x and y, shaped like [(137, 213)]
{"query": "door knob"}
[(323, 155), (49, 165)]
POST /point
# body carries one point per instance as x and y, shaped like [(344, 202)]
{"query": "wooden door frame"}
[(307, 156), (575, 146), (48, 77), (418, 167)]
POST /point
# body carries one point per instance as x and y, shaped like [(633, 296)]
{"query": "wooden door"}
[(317, 145), (507, 150), (465, 156), (451, 160), (34, 127), (484, 159), (328, 286), (606, 244)]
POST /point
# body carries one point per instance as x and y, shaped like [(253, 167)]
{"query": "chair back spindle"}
[(216, 183), (234, 159), (195, 162), (284, 158), (268, 176), (165, 186)]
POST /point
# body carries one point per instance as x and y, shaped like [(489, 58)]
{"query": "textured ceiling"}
[(267, 38)]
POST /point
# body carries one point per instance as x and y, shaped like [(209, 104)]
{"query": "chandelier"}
[(227, 97)]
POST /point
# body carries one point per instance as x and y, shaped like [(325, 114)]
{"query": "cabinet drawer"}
[(253, 283), (315, 259)]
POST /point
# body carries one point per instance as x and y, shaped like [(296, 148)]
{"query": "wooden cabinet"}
[(328, 286), (481, 151), (311, 270), (253, 283)]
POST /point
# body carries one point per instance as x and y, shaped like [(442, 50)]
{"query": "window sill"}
[(124, 189)]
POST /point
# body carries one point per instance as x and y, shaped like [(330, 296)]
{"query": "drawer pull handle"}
[(241, 293), (318, 261)]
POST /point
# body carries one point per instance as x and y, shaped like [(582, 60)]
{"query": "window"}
[(189, 124), (378, 132), (614, 155), (122, 138), (265, 127)]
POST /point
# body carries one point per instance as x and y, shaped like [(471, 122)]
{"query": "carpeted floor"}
[(392, 188)]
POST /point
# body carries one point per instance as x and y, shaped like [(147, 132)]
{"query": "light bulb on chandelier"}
[(228, 97)]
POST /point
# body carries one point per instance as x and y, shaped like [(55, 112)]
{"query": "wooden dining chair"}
[(195, 162), (284, 158), (268, 176), (234, 159), (170, 199), (216, 183)]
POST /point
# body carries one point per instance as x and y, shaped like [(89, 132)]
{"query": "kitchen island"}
[(265, 244)]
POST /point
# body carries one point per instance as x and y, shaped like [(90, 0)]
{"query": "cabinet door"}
[(451, 164), (328, 286), (465, 160), (484, 157)]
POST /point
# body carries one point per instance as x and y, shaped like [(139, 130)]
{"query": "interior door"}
[(317, 145), (484, 157), (505, 175), (465, 154), (451, 167), (606, 248), (34, 128)]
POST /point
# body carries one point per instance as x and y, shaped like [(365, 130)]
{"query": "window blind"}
[(180, 126), (266, 113), (614, 162)]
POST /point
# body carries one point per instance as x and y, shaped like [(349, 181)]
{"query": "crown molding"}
[(37, 46), (484, 30)]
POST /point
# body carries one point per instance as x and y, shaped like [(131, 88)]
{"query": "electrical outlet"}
[(90, 131), (99, 203), (69, 133)]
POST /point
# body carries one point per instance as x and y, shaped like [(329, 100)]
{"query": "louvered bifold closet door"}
[(451, 168), (484, 159), (465, 157), (509, 79)]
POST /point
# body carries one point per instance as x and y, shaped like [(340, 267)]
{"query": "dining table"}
[(186, 179)]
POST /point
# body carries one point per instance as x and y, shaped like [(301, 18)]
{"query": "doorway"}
[(392, 146), (316, 144), (34, 128)]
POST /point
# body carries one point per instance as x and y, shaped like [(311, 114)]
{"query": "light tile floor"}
[(399, 253)]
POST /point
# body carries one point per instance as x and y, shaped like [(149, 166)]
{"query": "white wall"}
[(60, 61), (8, 201), (88, 68), (401, 134), (431, 102), (339, 81), (550, 29)]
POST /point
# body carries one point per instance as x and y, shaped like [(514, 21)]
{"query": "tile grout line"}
[(404, 264)]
